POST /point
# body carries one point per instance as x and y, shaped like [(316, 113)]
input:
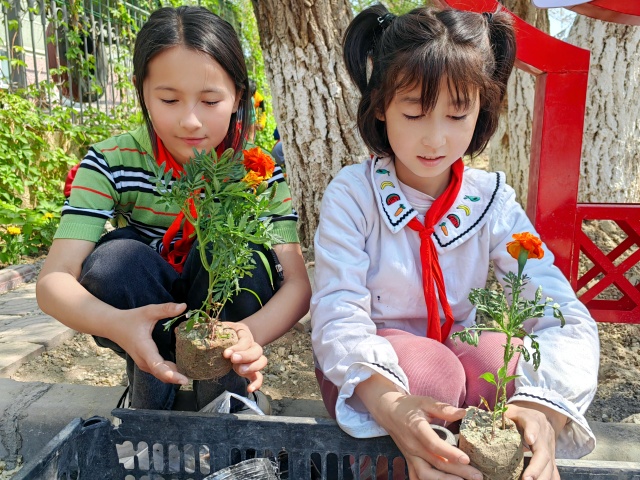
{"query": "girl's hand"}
[(133, 334), (407, 419), (246, 356), (539, 426)]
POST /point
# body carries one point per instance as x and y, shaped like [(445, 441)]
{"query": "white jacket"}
[(368, 276)]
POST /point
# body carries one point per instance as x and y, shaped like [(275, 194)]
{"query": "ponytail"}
[(503, 44), (502, 39), (360, 39)]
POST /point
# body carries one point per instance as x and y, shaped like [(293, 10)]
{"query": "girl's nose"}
[(433, 137), (190, 120)]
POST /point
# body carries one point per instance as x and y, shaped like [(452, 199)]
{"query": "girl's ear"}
[(133, 79), (380, 115)]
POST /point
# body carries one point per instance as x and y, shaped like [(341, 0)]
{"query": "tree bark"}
[(314, 100), (510, 147), (610, 170)]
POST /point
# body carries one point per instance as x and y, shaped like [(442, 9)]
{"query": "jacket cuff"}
[(350, 413)]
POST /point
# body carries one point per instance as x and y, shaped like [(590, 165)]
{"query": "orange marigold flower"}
[(253, 179), (256, 160), (525, 241)]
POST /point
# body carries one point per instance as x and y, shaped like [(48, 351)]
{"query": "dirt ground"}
[(290, 371)]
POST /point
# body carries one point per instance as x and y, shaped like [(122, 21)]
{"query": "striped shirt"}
[(115, 183)]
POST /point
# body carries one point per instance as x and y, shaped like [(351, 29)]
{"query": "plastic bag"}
[(222, 404), (252, 469)]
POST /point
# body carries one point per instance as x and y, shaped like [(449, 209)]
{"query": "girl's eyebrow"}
[(411, 100), (173, 89), (418, 100)]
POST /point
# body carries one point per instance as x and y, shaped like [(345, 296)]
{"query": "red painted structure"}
[(617, 11), (561, 72)]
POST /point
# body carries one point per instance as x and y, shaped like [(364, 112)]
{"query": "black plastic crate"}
[(186, 445)]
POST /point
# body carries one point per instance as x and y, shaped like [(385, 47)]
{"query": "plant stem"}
[(200, 235), (508, 354)]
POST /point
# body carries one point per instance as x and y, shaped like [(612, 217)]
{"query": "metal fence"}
[(74, 52)]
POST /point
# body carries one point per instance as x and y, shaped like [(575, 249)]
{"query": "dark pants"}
[(126, 273)]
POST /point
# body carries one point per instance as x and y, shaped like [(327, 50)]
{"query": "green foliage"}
[(36, 229), (495, 314), (395, 6), (29, 169), (36, 152), (228, 216)]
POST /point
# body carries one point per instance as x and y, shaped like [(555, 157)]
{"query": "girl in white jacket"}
[(404, 237)]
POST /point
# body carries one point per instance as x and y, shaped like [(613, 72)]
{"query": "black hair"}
[(198, 29), (474, 52)]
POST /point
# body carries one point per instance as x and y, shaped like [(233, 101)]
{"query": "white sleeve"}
[(345, 344), (567, 378)]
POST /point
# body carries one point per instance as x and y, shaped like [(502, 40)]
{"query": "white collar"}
[(469, 211)]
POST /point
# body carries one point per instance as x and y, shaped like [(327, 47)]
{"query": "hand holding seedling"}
[(540, 426), (132, 332), (407, 419), (246, 356)]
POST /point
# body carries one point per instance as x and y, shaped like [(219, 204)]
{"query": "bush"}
[(37, 150)]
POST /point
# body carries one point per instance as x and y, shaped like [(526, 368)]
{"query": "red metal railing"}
[(561, 72)]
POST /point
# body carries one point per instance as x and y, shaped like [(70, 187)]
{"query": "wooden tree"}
[(611, 146), (313, 98), (509, 148)]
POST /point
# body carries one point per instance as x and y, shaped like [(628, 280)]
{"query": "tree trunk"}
[(510, 147), (610, 169), (314, 100)]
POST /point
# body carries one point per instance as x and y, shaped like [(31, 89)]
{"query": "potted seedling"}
[(488, 437), (226, 200)]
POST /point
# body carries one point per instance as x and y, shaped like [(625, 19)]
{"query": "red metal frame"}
[(561, 72), (616, 11)]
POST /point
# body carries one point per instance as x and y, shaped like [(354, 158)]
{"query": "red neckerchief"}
[(176, 253), (431, 272)]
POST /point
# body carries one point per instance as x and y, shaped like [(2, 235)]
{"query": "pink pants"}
[(446, 371)]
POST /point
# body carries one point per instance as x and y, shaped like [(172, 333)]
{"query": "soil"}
[(199, 350), (497, 453)]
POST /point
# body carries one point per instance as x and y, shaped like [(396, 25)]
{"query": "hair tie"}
[(385, 20), (488, 16)]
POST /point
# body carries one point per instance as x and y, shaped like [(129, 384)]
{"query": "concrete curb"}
[(32, 413), (11, 277), (26, 332)]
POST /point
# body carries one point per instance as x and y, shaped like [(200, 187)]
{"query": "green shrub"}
[(37, 150)]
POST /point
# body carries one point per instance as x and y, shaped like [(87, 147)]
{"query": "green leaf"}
[(266, 265), (488, 377)]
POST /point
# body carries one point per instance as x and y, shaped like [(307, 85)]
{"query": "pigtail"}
[(503, 44), (359, 42), (502, 39)]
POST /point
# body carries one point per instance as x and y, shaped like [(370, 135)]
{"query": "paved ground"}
[(32, 413)]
